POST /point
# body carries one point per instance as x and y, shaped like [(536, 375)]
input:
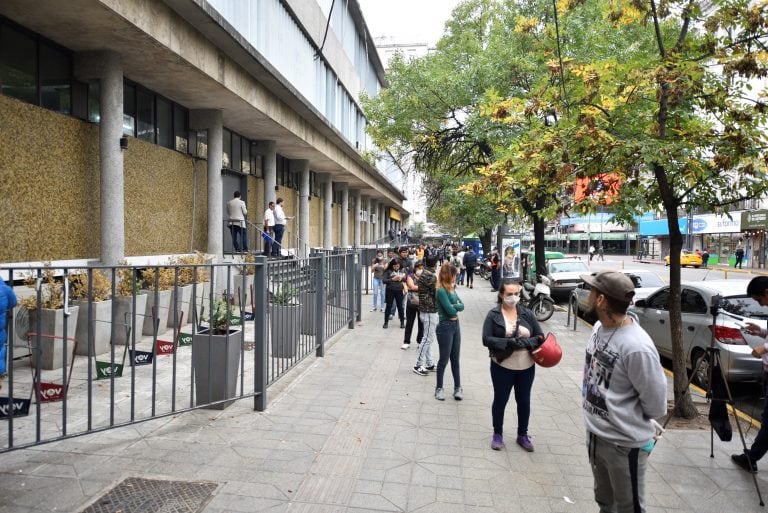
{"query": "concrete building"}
[(126, 126)]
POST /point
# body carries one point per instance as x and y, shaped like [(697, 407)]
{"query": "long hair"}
[(445, 277)]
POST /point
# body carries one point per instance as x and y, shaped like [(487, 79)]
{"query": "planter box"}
[(123, 305), (51, 353), (284, 330), (216, 360), (163, 307), (308, 316), (245, 284), (180, 302), (101, 326)]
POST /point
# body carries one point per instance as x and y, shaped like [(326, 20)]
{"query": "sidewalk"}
[(357, 431)]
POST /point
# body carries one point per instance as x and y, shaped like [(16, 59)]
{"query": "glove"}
[(535, 342)]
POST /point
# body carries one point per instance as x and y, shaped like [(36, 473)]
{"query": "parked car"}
[(565, 275), (687, 258), (646, 282), (528, 262), (735, 307)]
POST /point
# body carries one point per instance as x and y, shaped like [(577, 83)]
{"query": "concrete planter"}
[(202, 292), (51, 351), (123, 310), (244, 282), (284, 330), (216, 360), (308, 312), (101, 326), (161, 311), (180, 302)]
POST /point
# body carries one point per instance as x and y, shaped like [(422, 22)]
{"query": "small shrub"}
[(285, 295), (101, 288), (52, 290), (126, 284)]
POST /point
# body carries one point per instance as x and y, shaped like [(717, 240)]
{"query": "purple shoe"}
[(525, 442), (497, 443)]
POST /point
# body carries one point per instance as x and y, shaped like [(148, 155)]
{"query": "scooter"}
[(484, 269), (537, 299)]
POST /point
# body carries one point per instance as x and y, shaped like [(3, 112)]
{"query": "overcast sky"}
[(407, 21)]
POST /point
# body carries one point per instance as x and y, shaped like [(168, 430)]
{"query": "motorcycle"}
[(537, 299), (484, 269)]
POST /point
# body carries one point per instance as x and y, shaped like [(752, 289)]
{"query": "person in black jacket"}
[(510, 332), (394, 280)]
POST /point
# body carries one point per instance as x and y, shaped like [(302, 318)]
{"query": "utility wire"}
[(319, 51), (560, 56)]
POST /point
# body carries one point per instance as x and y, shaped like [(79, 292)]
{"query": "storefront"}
[(755, 224)]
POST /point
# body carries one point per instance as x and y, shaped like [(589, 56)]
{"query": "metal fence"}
[(148, 342)]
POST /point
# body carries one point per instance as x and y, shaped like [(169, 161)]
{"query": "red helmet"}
[(549, 353)]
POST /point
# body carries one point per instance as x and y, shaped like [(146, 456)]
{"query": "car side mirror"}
[(640, 303)]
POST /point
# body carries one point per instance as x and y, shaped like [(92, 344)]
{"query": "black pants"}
[(411, 315), (470, 276), (496, 278), (397, 297)]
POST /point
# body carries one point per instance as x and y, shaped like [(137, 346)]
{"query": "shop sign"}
[(716, 223), (754, 220)]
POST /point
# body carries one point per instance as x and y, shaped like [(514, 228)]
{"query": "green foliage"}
[(284, 295), (220, 318)]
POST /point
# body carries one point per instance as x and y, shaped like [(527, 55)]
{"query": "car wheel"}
[(697, 266), (700, 368)]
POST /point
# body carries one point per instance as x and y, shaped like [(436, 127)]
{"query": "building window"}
[(180, 128), (226, 152), (129, 110), (246, 156), (145, 115), (235, 162), (18, 64), (164, 123), (202, 143), (55, 79), (79, 99), (94, 102)]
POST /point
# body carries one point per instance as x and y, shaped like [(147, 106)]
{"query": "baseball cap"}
[(613, 284)]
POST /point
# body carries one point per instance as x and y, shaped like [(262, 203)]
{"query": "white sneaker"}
[(373, 309), (405, 346)]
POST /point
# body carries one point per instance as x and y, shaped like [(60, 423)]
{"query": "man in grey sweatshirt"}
[(624, 388)]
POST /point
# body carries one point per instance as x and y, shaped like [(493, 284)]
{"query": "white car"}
[(735, 308), (646, 282), (565, 275)]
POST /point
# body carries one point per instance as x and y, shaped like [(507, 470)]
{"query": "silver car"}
[(735, 308), (646, 282), (564, 275)]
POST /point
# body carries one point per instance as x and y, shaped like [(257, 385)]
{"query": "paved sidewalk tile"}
[(358, 431)]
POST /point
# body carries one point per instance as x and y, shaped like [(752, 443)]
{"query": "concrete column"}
[(344, 215), (302, 167), (328, 212), (374, 219), (268, 168), (368, 224), (212, 121), (106, 67), (356, 211), (384, 229)]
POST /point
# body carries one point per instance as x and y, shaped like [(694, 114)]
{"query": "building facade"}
[(127, 126)]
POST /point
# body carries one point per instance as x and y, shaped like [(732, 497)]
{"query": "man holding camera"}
[(624, 388)]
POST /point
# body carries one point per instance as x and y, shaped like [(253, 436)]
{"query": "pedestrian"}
[(236, 212), (269, 227), (412, 306), (448, 331), (392, 235), (405, 261), (600, 253), (495, 261), (704, 258), (739, 257), (470, 262), (428, 314), (377, 270), (624, 388), (510, 332), (394, 280), (757, 289), (280, 221), (462, 269), (7, 303), (591, 252), (420, 253)]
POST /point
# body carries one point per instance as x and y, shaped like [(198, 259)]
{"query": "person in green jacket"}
[(448, 331)]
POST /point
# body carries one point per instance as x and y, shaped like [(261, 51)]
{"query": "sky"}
[(407, 21)]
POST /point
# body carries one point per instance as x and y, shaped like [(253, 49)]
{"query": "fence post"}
[(359, 288), (319, 276), (260, 368), (351, 281)]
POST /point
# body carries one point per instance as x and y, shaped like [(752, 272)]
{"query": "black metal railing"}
[(152, 341)]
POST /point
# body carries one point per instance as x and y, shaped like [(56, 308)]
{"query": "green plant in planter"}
[(221, 316), (284, 295), (101, 288)]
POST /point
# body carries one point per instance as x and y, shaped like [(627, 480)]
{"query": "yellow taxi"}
[(687, 258)]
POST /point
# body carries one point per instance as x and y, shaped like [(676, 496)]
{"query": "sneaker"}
[(402, 324), (431, 368), (439, 394), (458, 393), (742, 461), (405, 346), (392, 316), (373, 309), (497, 442), (525, 442), (386, 325), (421, 371)]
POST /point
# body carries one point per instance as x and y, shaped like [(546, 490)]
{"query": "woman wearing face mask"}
[(412, 306), (510, 332)]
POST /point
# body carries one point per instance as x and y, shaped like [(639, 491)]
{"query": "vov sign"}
[(20, 407)]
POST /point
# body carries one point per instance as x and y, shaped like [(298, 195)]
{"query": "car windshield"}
[(744, 306), (646, 280), (568, 267)]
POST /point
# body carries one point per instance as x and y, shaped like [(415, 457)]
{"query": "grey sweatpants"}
[(619, 474)]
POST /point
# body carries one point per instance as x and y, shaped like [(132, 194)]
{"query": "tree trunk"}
[(485, 241), (538, 241)]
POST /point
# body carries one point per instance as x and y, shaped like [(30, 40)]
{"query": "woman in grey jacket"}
[(510, 332)]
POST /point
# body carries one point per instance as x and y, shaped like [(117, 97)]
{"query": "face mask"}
[(511, 300), (418, 273)]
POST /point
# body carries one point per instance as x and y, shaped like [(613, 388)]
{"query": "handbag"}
[(413, 298)]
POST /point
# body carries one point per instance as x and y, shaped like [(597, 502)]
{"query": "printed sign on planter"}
[(141, 357)]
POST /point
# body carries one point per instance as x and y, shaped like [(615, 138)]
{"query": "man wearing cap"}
[(624, 388)]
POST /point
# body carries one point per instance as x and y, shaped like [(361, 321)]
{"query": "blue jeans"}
[(378, 293), (504, 380), (449, 342), (278, 244), (238, 234)]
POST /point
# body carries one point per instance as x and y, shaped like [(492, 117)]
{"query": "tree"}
[(656, 97)]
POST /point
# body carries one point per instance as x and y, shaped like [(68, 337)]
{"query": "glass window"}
[(180, 129), (226, 151), (129, 110), (235, 162), (660, 300), (744, 306), (257, 165), (164, 123), (80, 99), (94, 99), (55, 79), (202, 143), (18, 65), (246, 156), (145, 115), (692, 302)]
